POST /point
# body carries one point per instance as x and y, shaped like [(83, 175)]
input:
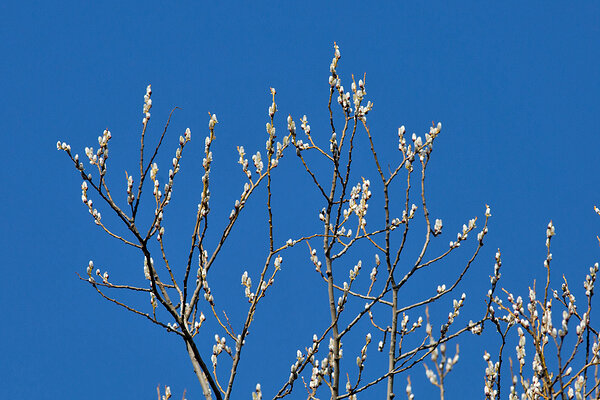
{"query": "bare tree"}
[(356, 305), (561, 365)]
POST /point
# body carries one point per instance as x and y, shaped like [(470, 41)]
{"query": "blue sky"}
[(515, 88)]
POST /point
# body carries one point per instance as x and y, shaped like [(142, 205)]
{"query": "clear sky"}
[(516, 90)]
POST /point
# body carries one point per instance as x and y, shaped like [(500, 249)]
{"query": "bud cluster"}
[(218, 348), (147, 105), (460, 236), (359, 196), (419, 148), (247, 283)]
